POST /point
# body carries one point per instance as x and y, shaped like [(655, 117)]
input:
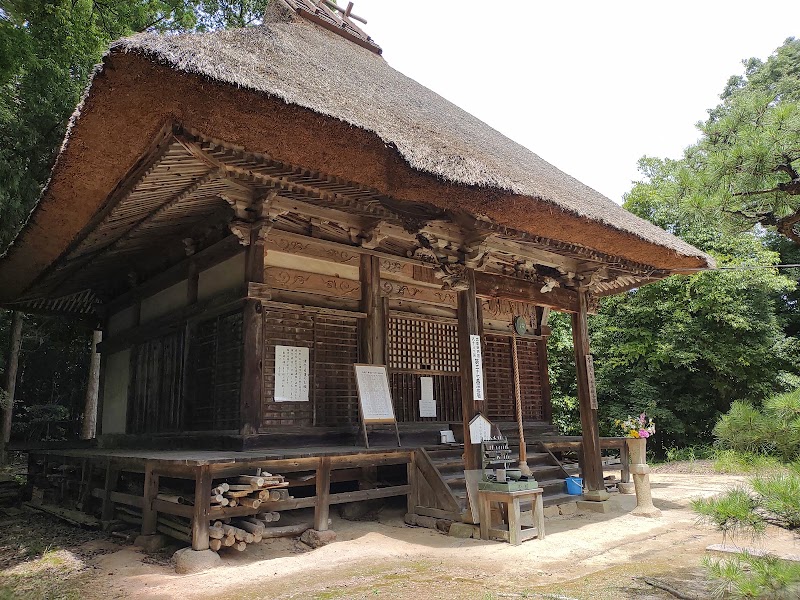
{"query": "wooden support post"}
[(252, 338), (12, 363), (543, 329), (373, 338), (149, 515), (89, 426), (112, 477), (625, 463), (323, 493), (202, 505), (587, 398), (413, 492), (468, 325)]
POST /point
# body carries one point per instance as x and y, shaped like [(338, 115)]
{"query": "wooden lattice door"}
[(420, 347), (499, 365)]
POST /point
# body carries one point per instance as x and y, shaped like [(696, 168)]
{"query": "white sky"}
[(590, 86)]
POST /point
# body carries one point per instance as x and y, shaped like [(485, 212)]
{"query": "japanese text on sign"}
[(291, 374), (477, 367)]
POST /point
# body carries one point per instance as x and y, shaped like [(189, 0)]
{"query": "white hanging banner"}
[(291, 374), (427, 403), (477, 367)]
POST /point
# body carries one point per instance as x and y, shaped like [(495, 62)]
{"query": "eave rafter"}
[(205, 180)]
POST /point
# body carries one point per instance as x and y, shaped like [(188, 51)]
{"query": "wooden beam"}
[(373, 337), (323, 492), (498, 286), (12, 364), (590, 430), (468, 326)]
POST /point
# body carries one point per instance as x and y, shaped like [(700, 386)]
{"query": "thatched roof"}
[(305, 96), (305, 65)]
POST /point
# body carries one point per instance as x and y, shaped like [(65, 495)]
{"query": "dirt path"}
[(588, 556)]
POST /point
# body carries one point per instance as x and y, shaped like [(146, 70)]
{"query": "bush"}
[(748, 576), (773, 430)]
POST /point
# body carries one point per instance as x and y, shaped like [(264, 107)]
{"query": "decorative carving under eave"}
[(373, 237), (189, 246), (454, 277), (425, 255), (241, 229)]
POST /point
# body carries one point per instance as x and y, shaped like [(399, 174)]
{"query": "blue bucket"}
[(574, 486)]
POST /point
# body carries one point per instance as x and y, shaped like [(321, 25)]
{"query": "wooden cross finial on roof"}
[(333, 17)]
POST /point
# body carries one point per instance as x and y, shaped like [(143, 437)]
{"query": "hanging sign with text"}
[(591, 382), (427, 403), (477, 367)]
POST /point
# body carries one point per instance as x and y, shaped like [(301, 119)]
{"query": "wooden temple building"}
[(221, 196)]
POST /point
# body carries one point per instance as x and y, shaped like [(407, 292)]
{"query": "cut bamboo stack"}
[(249, 490)]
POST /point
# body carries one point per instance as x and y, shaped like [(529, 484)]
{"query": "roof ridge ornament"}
[(333, 17)]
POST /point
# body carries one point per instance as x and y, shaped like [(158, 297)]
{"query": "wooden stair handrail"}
[(434, 479), (553, 456)]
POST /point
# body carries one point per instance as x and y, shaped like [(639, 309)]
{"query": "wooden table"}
[(511, 530)]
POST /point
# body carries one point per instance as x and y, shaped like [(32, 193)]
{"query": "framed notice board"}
[(374, 398)]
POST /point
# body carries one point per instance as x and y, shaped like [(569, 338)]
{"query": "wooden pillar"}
[(12, 363), (252, 339), (543, 329), (202, 505), (373, 338), (112, 478), (323, 494), (468, 325), (89, 427), (587, 398), (149, 515)]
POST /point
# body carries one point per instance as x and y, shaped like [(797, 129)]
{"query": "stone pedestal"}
[(637, 449), (195, 561)]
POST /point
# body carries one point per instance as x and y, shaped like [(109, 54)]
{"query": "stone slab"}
[(317, 539), (464, 531), (626, 488), (551, 511), (598, 507), (568, 508)]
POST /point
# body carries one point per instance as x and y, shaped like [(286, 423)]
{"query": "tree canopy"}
[(743, 170)]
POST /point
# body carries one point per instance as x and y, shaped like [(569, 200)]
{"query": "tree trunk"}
[(11, 381), (89, 427)]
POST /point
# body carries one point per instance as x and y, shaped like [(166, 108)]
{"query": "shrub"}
[(773, 430)]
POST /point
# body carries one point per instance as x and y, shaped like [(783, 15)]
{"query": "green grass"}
[(734, 462), (53, 576), (746, 576), (689, 454)]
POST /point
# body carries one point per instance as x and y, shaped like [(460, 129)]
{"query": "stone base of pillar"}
[(598, 507), (595, 495), (194, 561), (626, 488), (651, 512)]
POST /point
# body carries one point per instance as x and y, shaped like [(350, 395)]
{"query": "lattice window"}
[(333, 349), (418, 344), (500, 378)]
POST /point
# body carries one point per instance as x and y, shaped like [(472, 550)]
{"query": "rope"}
[(523, 451)]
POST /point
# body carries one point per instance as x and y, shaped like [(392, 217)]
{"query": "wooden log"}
[(177, 526), (250, 502), (174, 498), (240, 546), (174, 533), (257, 538), (238, 487), (216, 533), (250, 527), (215, 544), (228, 541), (275, 495), (233, 502), (238, 493), (285, 531), (251, 480)]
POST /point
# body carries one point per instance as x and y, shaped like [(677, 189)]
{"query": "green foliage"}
[(748, 576), (775, 429), (731, 513), (689, 453), (731, 461)]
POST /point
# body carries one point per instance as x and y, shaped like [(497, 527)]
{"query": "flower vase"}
[(637, 451)]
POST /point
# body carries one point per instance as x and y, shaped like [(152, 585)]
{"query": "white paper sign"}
[(291, 374), (477, 367), (427, 403), (480, 428), (373, 393)]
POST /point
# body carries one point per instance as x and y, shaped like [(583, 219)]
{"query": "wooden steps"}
[(448, 464)]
